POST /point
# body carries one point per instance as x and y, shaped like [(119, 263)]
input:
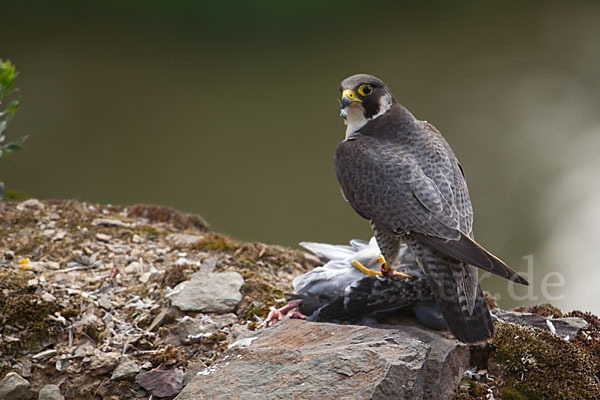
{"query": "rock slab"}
[(50, 392), (299, 359), (567, 327), (13, 387), (161, 383), (209, 292)]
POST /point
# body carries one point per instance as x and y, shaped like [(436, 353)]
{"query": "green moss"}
[(545, 310), (24, 310), (538, 365), (588, 339), (474, 391), (216, 242), (70, 313), (148, 231), (265, 296)]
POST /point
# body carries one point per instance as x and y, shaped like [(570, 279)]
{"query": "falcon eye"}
[(365, 90)]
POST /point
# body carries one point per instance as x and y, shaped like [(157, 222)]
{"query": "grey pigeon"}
[(338, 291)]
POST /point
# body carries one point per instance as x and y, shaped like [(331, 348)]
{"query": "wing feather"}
[(402, 191)]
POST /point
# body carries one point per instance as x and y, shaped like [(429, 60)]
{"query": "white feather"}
[(354, 115)]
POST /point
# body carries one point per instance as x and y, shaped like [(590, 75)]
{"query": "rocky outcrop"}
[(298, 359), (93, 306)]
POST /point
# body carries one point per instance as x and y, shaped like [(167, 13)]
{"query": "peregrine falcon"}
[(400, 174)]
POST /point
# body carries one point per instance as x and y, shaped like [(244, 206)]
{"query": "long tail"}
[(457, 292), (469, 251)]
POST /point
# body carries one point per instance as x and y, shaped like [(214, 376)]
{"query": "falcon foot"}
[(280, 313), (387, 272)]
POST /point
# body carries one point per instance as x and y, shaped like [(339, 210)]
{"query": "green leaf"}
[(12, 147), (1, 190), (13, 107), (7, 75), (3, 125)]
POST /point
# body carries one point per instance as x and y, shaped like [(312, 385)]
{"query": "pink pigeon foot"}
[(280, 313)]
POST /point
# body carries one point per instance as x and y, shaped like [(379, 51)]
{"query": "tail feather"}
[(470, 252), (458, 294), (474, 327)]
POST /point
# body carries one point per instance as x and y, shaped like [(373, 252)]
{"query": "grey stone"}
[(239, 331), (103, 237), (13, 387), (60, 235), (103, 362), (133, 268), (44, 355), (567, 327), (191, 330), (208, 292), (161, 383), (128, 368), (84, 350), (299, 359), (158, 320), (145, 277), (183, 239), (104, 301), (90, 321), (50, 392), (31, 203), (209, 264), (48, 297)]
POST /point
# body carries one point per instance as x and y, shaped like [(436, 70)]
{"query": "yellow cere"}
[(365, 90), (24, 261), (349, 93)]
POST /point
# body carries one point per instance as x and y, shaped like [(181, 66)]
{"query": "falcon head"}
[(363, 98)]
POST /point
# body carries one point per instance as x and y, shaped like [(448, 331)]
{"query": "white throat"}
[(354, 119), (355, 114)]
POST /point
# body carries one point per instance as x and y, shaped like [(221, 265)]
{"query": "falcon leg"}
[(390, 247), (280, 313), (387, 272)]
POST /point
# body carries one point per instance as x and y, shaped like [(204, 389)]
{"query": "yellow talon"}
[(370, 272), (386, 267), (364, 269), (384, 264)]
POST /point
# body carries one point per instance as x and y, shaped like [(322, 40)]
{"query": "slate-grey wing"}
[(384, 182)]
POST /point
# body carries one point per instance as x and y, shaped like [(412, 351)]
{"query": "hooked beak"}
[(348, 98)]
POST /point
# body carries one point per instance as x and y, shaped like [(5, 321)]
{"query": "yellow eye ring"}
[(365, 90)]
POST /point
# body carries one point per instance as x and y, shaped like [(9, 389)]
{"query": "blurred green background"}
[(229, 109)]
